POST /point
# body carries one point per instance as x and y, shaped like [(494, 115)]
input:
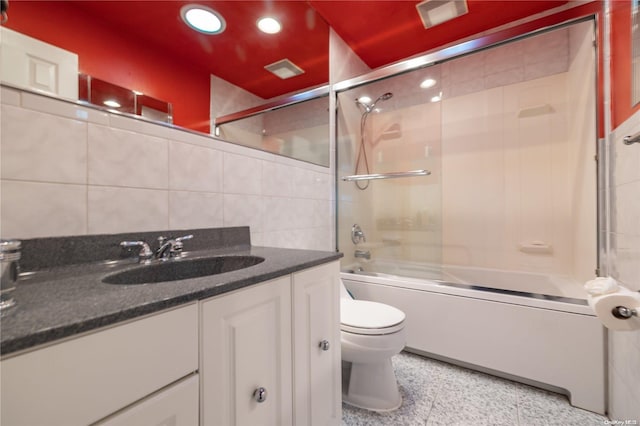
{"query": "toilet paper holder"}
[(622, 312)]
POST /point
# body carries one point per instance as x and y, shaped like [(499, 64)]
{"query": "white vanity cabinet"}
[(281, 336), (317, 391), (85, 379), (246, 346), (267, 354)]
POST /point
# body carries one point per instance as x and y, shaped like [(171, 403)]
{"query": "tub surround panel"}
[(134, 175)]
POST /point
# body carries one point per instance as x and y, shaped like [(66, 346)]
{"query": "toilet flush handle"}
[(324, 345)]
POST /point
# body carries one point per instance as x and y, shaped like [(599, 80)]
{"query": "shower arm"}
[(391, 175)]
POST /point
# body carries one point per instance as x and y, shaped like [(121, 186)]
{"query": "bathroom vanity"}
[(258, 345)]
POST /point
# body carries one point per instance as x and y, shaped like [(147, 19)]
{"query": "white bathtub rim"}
[(443, 288)]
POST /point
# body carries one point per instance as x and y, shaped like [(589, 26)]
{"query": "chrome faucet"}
[(145, 254), (170, 247)]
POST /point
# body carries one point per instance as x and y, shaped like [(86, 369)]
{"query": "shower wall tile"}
[(195, 168), (124, 158), (507, 64), (35, 209), (195, 210), (113, 210), (54, 151)]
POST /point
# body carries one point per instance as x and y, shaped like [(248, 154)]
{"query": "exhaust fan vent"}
[(435, 12), (284, 69)]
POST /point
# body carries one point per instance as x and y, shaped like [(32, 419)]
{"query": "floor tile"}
[(437, 393)]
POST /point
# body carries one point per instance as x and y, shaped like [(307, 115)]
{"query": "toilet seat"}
[(370, 318)]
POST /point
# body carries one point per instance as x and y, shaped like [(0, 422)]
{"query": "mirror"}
[(635, 51), (145, 47)]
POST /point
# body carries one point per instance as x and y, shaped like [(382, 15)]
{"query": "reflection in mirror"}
[(102, 93), (635, 51), (119, 42), (299, 131)]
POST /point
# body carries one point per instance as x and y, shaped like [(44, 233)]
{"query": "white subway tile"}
[(195, 210), (194, 168), (242, 175), (123, 158), (42, 147), (32, 209), (627, 208), (114, 210)]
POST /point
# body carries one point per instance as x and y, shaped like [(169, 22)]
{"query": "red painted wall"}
[(105, 54), (621, 108)]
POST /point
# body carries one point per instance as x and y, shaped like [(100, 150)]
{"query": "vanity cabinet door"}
[(316, 343), (246, 345)]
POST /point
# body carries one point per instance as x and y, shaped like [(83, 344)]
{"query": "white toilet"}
[(371, 333)]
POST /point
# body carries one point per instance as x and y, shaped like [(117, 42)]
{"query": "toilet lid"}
[(365, 317)]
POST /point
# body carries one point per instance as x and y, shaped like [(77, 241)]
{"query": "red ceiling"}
[(380, 32), (240, 53)]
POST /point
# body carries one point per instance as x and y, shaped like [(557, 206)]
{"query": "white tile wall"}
[(72, 170), (624, 347)]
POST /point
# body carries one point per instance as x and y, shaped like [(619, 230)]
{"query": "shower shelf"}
[(391, 175)]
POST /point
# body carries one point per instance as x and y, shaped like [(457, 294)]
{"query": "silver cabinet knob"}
[(324, 345), (260, 394)]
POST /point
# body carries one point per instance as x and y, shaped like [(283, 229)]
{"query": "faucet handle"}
[(186, 237), (145, 251)]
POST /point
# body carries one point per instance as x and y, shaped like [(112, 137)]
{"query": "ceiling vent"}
[(284, 69), (435, 12)]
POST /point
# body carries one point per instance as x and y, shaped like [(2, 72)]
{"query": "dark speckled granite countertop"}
[(58, 302)]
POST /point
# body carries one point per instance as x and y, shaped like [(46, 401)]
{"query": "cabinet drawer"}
[(83, 380), (176, 405)]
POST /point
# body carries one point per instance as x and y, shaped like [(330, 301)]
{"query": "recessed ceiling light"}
[(203, 19), (429, 82), (111, 103), (269, 25), (364, 99), (437, 98)]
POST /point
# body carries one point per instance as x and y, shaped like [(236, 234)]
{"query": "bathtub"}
[(532, 328)]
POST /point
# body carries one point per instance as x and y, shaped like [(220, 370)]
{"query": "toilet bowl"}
[(371, 333)]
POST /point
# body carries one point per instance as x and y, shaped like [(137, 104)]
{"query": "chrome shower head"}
[(368, 108)]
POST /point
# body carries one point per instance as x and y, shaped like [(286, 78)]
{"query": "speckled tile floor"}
[(436, 393)]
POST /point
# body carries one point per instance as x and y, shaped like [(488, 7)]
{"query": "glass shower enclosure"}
[(478, 169)]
